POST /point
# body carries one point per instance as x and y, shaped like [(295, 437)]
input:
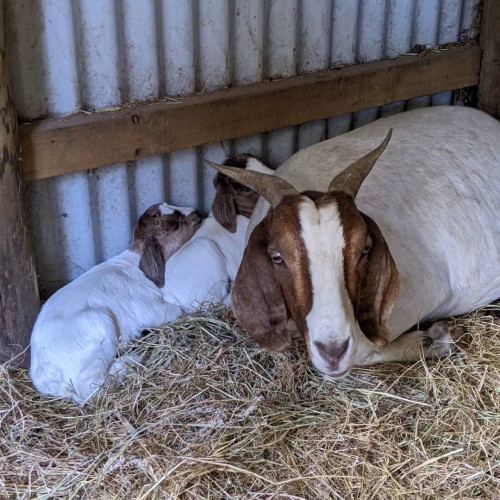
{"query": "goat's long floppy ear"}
[(152, 262), (271, 187), (350, 179), (379, 290), (223, 207), (257, 299)]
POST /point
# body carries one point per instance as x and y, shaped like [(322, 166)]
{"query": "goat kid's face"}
[(160, 231), (317, 259)]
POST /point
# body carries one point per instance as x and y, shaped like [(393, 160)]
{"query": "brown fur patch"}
[(356, 238), (145, 227), (232, 198), (293, 275), (266, 294), (157, 237), (257, 298), (370, 273)]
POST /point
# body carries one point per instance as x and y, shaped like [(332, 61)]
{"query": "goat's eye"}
[(276, 258), (368, 247), (178, 223), (179, 220)]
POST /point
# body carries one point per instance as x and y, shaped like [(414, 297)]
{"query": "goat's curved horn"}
[(350, 179), (271, 187)]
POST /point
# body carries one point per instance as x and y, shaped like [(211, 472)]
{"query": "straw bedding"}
[(206, 414)]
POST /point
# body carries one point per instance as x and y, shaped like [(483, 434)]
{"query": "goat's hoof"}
[(438, 341)]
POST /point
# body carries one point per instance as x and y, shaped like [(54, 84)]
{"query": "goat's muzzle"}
[(331, 360)]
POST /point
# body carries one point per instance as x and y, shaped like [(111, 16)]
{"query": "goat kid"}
[(202, 271), (356, 260), (80, 328)]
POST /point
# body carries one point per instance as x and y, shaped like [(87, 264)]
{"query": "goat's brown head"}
[(315, 258), (233, 198), (160, 231)]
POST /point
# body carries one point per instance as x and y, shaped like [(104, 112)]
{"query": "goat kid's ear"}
[(257, 299), (380, 289), (223, 207), (152, 262), (271, 187)]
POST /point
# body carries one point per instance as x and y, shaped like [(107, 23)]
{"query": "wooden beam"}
[(489, 83), (18, 285), (57, 146)]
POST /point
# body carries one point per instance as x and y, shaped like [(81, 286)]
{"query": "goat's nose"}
[(332, 352)]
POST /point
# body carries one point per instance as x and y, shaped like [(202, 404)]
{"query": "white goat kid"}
[(77, 334), (355, 270), (202, 271)]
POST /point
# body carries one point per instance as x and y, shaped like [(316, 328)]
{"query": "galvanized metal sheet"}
[(69, 55)]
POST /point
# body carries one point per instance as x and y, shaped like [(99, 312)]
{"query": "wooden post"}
[(19, 302), (489, 80)]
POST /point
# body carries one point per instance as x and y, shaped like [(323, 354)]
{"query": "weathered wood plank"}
[(57, 146), (489, 83), (18, 285)]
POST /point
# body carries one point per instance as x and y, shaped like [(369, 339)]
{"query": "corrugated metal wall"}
[(69, 55)]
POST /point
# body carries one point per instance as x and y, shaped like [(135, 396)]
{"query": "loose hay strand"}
[(207, 414)]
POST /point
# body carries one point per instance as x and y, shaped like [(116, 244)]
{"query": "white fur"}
[(322, 233), (435, 195), (201, 272), (167, 209)]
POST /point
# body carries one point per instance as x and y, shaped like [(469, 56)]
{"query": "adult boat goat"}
[(355, 259)]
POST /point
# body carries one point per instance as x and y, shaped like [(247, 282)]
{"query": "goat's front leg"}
[(433, 343)]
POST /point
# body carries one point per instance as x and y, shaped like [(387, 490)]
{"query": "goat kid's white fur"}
[(435, 195), (76, 337), (201, 272)]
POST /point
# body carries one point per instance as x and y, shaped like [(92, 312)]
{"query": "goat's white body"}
[(435, 195), (77, 334), (202, 270)]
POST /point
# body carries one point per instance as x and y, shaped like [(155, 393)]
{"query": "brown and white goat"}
[(356, 260), (76, 337)]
